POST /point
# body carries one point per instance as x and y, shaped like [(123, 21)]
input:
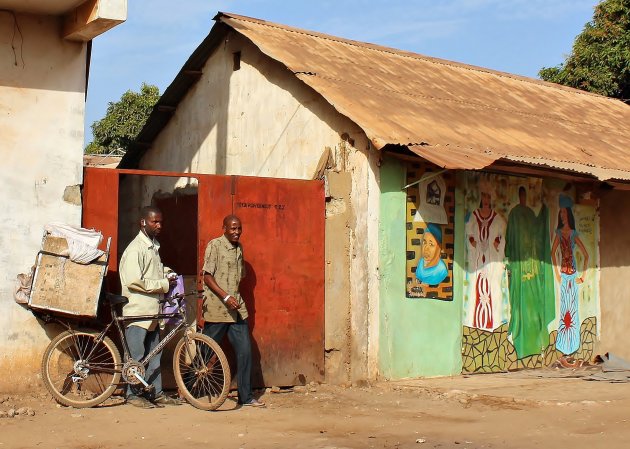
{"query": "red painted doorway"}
[(283, 242)]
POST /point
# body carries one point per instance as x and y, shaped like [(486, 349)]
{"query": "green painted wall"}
[(417, 337)]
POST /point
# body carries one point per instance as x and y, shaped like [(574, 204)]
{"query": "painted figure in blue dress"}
[(431, 268), (566, 273)]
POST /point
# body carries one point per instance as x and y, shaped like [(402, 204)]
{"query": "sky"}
[(514, 36)]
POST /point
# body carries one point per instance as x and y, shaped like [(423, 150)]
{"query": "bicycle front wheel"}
[(201, 371), (79, 370)]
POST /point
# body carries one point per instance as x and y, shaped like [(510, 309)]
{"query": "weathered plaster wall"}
[(364, 265), (418, 337), (339, 216), (615, 269), (42, 95), (257, 121), (262, 121)]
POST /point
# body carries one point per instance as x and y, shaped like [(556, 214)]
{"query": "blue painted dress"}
[(568, 340)]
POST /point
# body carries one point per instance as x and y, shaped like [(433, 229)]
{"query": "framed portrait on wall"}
[(430, 232)]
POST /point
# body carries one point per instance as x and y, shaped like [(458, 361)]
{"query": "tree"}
[(600, 59), (123, 121)]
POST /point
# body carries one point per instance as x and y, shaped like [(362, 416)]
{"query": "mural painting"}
[(430, 232), (530, 288)]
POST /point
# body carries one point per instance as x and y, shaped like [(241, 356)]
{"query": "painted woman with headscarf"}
[(485, 238), (566, 273), (431, 268)]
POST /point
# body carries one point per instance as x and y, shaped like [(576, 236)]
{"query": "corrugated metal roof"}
[(455, 115), (455, 158)]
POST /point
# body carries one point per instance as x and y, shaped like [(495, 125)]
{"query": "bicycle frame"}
[(118, 320), (163, 342)]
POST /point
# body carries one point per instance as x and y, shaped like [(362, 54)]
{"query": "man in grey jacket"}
[(144, 281)]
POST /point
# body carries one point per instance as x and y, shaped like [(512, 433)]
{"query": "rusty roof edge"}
[(455, 161), (534, 160), (601, 173), (402, 53), (461, 160)]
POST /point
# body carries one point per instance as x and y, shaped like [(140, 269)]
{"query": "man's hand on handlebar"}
[(170, 301), (178, 296), (172, 278)]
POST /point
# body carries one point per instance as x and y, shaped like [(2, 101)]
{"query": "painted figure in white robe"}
[(485, 241)]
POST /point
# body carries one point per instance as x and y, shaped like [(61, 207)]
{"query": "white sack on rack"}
[(82, 243)]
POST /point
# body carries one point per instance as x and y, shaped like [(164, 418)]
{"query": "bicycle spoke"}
[(80, 368), (77, 344), (202, 372), (206, 384)]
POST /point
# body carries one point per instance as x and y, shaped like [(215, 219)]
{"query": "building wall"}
[(615, 268), (536, 315), (418, 337), (262, 121), (42, 96)]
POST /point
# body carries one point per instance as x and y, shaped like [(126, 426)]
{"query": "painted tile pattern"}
[(490, 352)]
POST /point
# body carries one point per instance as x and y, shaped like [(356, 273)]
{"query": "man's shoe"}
[(140, 402), (166, 400), (254, 403)]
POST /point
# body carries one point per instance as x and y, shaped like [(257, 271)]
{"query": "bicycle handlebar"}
[(178, 296)]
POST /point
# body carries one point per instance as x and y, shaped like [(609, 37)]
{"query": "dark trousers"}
[(141, 342), (238, 334)]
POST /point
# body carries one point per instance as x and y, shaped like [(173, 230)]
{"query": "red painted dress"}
[(486, 245)]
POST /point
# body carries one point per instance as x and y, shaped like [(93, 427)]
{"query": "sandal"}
[(140, 402)]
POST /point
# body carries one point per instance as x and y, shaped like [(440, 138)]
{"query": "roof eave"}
[(166, 106)]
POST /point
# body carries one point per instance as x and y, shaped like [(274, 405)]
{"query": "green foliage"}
[(600, 59), (123, 121)]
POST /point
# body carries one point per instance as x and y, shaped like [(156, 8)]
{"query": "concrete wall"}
[(418, 337), (42, 96), (262, 121), (615, 269)]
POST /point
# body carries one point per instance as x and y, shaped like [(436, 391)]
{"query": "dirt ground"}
[(484, 411)]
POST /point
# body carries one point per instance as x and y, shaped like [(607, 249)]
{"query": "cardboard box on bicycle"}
[(63, 286)]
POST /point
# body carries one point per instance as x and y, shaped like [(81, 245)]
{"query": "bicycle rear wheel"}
[(201, 371), (80, 371)]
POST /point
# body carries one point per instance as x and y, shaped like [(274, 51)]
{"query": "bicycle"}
[(82, 367)]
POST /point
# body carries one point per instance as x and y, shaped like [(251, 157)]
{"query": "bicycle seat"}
[(115, 300)]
